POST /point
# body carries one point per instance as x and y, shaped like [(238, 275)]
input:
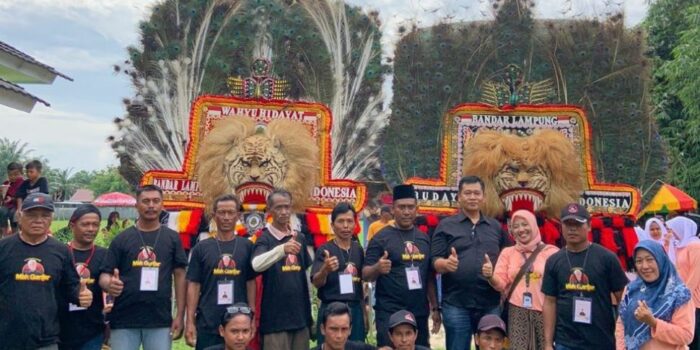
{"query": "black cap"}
[(402, 317), (404, 191), (37, 200), (576, 212), (489, 322)]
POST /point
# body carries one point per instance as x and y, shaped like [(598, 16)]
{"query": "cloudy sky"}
[(85, 38)]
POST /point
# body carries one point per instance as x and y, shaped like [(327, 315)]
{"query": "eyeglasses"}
[(239, 310)]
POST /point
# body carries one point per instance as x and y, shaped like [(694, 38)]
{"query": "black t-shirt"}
[(285, 293), (32, 280), (210, 263), (467, 287), (349, 262), (144, 309), (40, 186), (596, 279), (406, 248), (79, 326), (352, 345)]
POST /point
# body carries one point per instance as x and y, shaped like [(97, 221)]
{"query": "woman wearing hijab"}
[(656, 311), (687, 262), (525, 323), (655, 230)]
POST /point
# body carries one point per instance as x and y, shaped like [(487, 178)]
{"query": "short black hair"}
[(235, 310), (226, 198), (277, 192), (84, 209), (385, 209), (148, 188), (335, 308), (468, 180), (35, 164), (14, 166), (342, 208)]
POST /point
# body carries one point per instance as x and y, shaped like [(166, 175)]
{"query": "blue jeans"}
[(94, 343), (460, 324), (91, 344), (562, 347), (132, 338)]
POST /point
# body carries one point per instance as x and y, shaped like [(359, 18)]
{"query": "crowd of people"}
[(503, 289)]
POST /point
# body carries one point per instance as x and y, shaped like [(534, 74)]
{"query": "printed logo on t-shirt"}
[(578, 281), (84, 273), (146, 258), (291, 264), (226, 266), (411, 252), (32, 270), (352, 270)]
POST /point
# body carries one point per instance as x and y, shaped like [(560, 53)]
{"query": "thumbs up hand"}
[(384, 264), (487, 268), (85, 295), (452, 261), (115, 284), (330, 263)]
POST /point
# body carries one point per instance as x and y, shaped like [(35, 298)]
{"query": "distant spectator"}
[(33, 184), (113, 220), (9, 202), (385, 219)]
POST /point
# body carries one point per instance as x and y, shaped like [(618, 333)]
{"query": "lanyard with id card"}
[(224, 292), (413, 278), (346, 284), (583, 311), (149, 275), (149, 279)]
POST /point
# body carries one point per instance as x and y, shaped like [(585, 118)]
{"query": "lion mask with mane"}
[(239, 157), (540, 172)]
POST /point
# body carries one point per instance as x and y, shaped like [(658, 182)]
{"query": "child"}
[(33, 184), (9, 201)]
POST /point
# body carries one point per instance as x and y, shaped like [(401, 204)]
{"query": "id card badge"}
[(527, 300), (149, 279), (346, 285), (413, 278), (224, 293), (107, 299), (72, 307), (582, 310)]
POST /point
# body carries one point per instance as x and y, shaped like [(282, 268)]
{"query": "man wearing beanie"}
[(398, 258), (83, 328), (35, 270)]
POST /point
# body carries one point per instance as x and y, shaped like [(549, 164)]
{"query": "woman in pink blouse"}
[(687, 261), (656, 311), (525, 323)]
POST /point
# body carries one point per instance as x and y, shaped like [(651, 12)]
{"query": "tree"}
[(12, 151), (674, 38), (61, 183), (109, 180)]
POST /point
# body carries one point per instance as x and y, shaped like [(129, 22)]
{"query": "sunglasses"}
[(239, 310)]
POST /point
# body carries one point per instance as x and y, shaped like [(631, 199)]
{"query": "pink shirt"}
[(674, 335), (509, 263), (687, 262)]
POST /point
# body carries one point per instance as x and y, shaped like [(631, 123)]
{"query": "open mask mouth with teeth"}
[(522, 198), (253, 192)]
